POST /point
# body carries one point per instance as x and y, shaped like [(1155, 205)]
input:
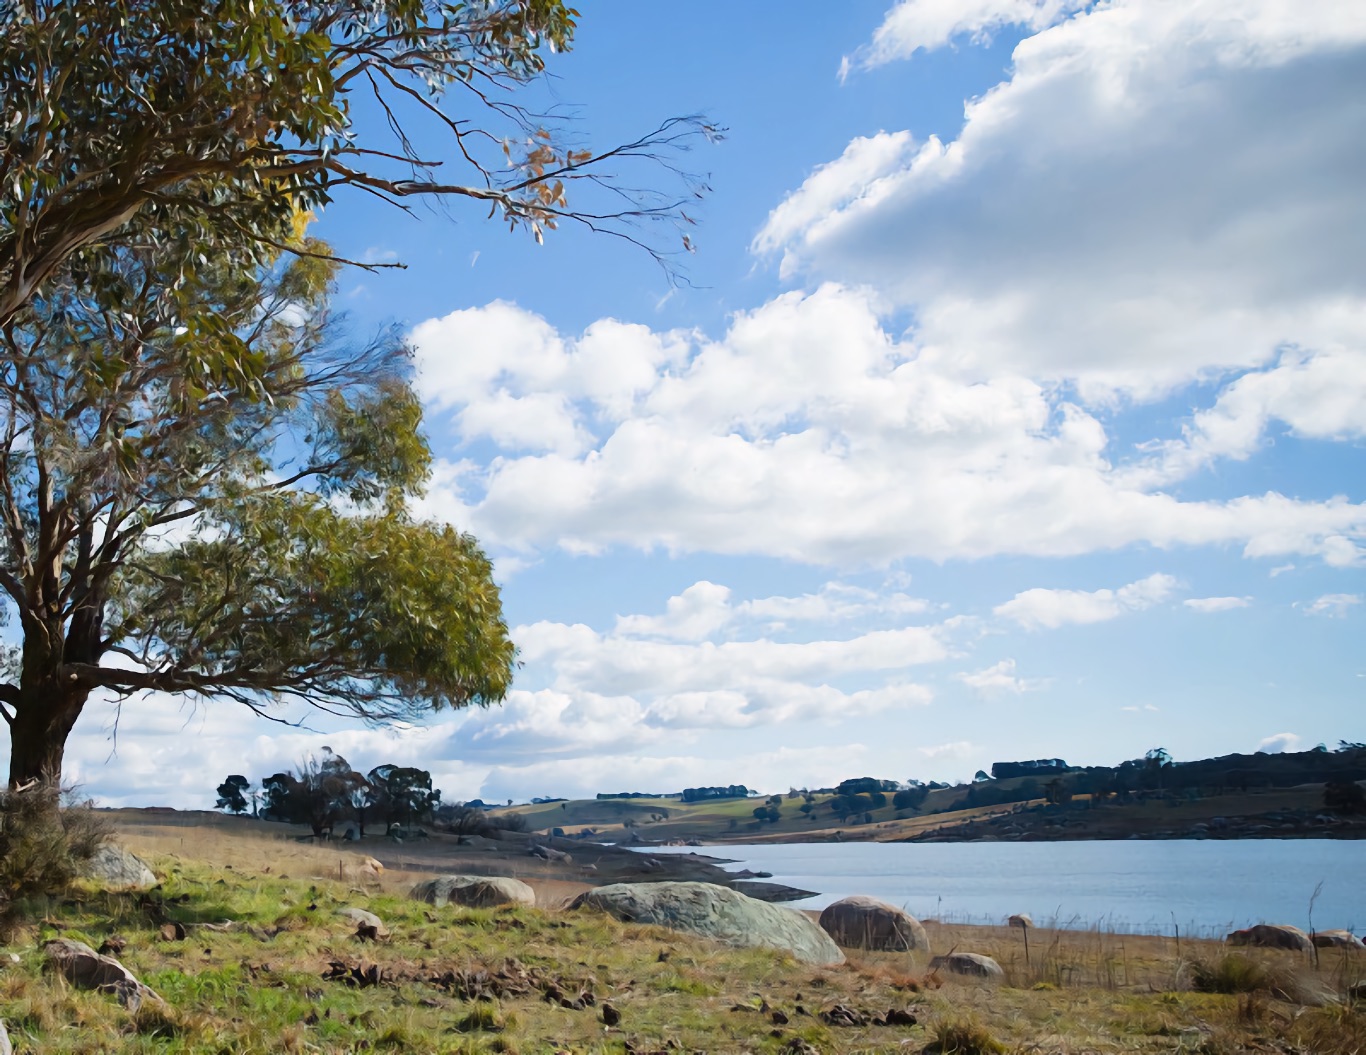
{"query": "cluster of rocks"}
[(1284, 936)]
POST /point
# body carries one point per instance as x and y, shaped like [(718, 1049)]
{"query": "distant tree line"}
[(325, 792), (733, 791)]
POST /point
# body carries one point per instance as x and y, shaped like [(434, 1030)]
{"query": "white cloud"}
[(913, 25), (1333, 604), (1318, 396), (1043, 608), (1216, 604), (810, 433), (1000, 678), (1158, 190), (696, 613), (1278, 742), (704, 608)]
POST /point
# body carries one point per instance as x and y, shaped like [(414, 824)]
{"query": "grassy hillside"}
[(267, 965), (732, 820)]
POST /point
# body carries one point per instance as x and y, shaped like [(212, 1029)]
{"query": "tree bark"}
[(38, 735)]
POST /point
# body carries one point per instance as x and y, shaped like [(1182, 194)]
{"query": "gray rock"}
[(361, 918), (1337, 939), (474, 891), (1273, 936), (969, 964), (866, 923), (84, 968), (715, 912), (115, 868)]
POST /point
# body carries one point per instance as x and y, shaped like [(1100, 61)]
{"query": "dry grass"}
[(260, 986)]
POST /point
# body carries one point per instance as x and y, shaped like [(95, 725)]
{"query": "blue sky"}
[(1014, 407)]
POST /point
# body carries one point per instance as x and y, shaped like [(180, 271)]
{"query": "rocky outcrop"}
[(866, 923), (474, 891), (715, 912), (1273, 936), (968, 964), (84, 968), (114, 868)]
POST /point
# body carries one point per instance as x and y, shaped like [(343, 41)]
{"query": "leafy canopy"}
[(225, 506), (205, 128)]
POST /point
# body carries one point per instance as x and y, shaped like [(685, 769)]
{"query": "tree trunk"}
[(38, 735)]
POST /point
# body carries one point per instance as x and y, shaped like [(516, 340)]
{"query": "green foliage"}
[(44, 844), (232, 794), (209, 129), (402, 793), (284, 463), (1344, 796)]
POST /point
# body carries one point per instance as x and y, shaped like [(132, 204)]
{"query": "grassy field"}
[(288, 974)]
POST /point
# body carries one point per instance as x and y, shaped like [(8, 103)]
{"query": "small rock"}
[(839, 1015), (970, 964), (369, 927), (172, 932), (897, 1017), (778, 1018), (610, 1015)]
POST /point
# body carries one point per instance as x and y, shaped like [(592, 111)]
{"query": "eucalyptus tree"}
[(207, 126), (206, 492)]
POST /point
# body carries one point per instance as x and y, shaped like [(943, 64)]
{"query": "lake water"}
[(1206, 887)]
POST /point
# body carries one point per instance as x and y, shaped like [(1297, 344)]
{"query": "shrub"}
[(1234, 973), (962, 1036), (45, 840)]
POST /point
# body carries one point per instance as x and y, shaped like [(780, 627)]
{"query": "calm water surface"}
[(1205, 887)]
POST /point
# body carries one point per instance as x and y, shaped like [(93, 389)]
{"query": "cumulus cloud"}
[(1156, 192), (1041, 608), (1216, 604), (1333, 604), (913, 25), (1278, 742), (810, 432), (1000, 679)]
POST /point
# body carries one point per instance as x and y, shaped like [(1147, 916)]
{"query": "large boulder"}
[(866, 923), (715, 912), (969, 964), (474, 891), (84, 968), (114, 868), (1273, 936)]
